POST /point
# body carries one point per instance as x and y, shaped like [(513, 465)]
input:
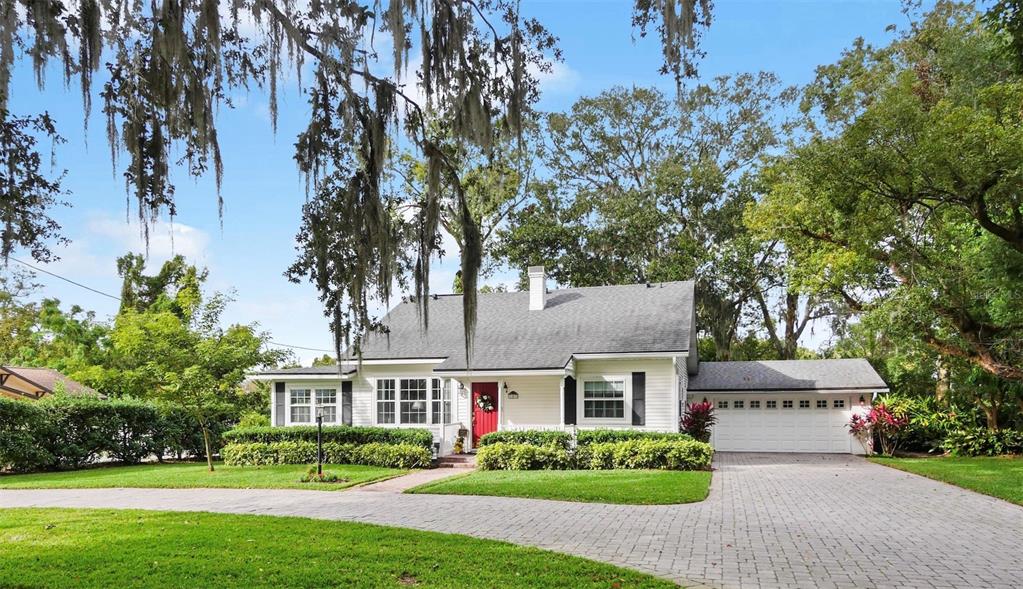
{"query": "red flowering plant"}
[(698, 419), (881, 423)]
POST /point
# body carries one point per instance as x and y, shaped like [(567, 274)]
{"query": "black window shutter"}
[(279, 406), (638, 398), (569, 400), (346, 402)]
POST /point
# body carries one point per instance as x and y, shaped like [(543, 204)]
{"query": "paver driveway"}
[(771, 521)]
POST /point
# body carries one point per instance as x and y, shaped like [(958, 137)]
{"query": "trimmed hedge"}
[(652, 454), (663, 454), (340, 434), (983, 442), (304, 452), (532, 436), (62, 431), (603, 436), (506, 456)]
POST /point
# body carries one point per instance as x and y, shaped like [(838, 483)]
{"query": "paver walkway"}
[(405, 482), (770, 521)]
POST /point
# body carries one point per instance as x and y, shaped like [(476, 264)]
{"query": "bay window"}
[(440, 407)]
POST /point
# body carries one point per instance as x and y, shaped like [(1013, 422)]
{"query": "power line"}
[(117, 298), (78, 284)]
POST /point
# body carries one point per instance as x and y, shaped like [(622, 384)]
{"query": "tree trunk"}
[(991, 414), (942, 386), (206, 442)]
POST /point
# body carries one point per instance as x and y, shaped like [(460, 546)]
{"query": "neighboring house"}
[(613, 356), (22, 382)]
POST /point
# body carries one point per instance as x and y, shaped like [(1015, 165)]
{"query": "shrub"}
[(530, 436), (180, 435), (665, 454), (983, 442), (253, 419), (342, 434), (880, 423), (698, 420), (507, 456), (20, 424), (136, 430), (79, 429), (311, 476), (303, 452), (602, 436)]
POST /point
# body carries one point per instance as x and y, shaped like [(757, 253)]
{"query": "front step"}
[(455, 461)]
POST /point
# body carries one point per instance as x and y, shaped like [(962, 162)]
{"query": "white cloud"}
[(166, 239), (561, 79)]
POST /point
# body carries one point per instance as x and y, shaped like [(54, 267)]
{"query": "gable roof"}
[(329, 370), (603, 319), (47, 379), (787, 375)]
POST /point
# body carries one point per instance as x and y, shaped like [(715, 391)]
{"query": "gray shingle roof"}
[(606, 319), (855, 373), (309, 370)]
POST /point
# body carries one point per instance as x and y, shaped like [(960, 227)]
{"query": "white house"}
[(613, 356)]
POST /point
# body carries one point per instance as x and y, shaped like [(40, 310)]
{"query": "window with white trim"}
[(326, 399), (804, 403), (300, 409), (754, 404), (440, 406), (412, 395), (786, 404), (822, 403), (604, 399), (838, 403), (772, 404), (739, 404), (385, 400), (722, 404)]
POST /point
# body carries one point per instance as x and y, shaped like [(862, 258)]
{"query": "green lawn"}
[(632, 487), (999, 476), (112, 548), (194, 474)]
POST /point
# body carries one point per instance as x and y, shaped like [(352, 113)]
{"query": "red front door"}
[(483, 421)]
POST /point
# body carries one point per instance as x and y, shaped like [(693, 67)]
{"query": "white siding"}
[(660, 390), (538, 405)]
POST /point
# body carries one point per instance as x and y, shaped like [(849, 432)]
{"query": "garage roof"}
[(787, 375)]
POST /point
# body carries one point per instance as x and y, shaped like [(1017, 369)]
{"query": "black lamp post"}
[(319, 442)]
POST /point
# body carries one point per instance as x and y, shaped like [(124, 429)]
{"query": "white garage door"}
[(782, 423)]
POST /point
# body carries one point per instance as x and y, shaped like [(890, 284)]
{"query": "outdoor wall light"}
[(863, 400)]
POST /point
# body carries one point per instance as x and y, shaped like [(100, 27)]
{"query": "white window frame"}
[(291, 404), (440, 401), (316, 404), (626, 418), (432, 394)]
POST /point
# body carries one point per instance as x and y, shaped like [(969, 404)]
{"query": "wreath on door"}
[(485, 403)]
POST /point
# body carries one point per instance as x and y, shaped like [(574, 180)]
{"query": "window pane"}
[(299, 396), (604, 399), (839, 403), (385, 400), (754, 404), (722, 404), (329, 413), (413, 395), (739, 404), (804, 403), (772, 404), (326, 396), (385, 389), (822, 404), (300, 414), (786, 404)]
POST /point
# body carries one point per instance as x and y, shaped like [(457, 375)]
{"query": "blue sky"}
[(263, 191)]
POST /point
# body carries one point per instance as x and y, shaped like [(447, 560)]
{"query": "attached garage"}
[(785, 406)]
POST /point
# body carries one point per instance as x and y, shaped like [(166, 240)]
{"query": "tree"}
[(907, 200), (27, 194), (324, 360), (177, 287), (194, 363), (642, 188), (172, 65)]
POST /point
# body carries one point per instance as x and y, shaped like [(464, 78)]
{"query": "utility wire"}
[(117, 298)]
